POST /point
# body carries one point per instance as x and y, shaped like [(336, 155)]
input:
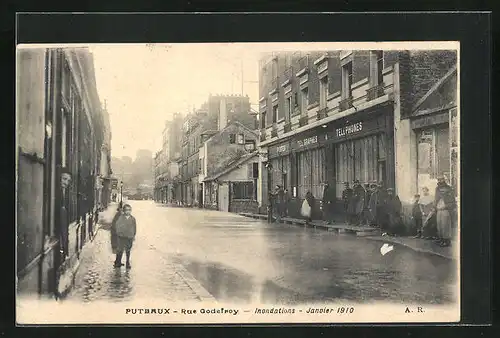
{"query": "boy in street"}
[(125, 231)]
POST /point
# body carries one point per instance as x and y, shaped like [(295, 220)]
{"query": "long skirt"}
[(443, 219)]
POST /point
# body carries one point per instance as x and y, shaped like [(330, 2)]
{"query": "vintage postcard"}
[(243, 183)]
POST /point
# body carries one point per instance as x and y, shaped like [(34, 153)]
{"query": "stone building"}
[(62, 136), (332, 117), (218, 152)]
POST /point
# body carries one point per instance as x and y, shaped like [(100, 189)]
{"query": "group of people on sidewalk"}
[(375, 205)]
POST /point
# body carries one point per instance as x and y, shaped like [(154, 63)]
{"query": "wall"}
[(220, 152), (30, 140)]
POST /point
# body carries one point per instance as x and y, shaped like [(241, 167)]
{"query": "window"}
[(433, 155), (380, 67), (232, 138), (243, 190), (240, 139), (295, 100), (359, 159), (323, 92), (263, 120), (289, 107), (376, 67), (275, 113), (304, 100), (347, 80)]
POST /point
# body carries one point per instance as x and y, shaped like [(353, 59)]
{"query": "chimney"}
[(222, 114)]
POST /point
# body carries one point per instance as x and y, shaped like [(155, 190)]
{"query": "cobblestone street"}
[(191, 254)]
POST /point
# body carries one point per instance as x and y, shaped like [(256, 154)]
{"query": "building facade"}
[(233, 187), (61, 132), (332, 117), (219, 151)]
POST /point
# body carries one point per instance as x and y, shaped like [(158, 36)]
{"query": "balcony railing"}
[(303, 62), (321, 114), (287, 127), (262, 135), (303, 121), (288, 75), (346, 104), (274, 131), (375, 92)]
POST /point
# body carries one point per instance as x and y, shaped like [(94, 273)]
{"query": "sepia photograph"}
[(253, 183)]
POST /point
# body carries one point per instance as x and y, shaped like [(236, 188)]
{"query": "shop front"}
[(362, 147), (437, 148)]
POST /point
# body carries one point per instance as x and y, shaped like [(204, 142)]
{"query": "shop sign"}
[(430, 120), (279, 150), (358, 128), (349, 129), (309, 142)]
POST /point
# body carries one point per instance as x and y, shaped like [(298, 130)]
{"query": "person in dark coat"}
[(445, 206), (271, 205), (63, 215), (286, 202), (327, 203), (126, 228), (113, 235), (310, 200), (366, 209), (417, 214), (280, 199), (393, 209), (373, 204), (357, 203), (346, 198)]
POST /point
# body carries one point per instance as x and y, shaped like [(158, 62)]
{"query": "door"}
[(224, 197)]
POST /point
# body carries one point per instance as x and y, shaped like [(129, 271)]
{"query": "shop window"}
[(433, 153), (347, 80), (311, 172), (243, 190), (358, 159)]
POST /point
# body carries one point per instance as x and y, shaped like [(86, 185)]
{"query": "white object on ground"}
[(386, 248)]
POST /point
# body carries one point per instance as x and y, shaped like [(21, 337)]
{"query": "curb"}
[(193, 284), (426, 251), (368, 236)]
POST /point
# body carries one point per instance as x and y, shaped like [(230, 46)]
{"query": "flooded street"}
[(239, 260)]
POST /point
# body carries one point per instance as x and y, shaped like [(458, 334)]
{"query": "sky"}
[(143, 86)]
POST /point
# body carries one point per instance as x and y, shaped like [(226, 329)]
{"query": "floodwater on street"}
[(241, 260)]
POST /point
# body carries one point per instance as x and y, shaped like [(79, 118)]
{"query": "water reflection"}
[(119, 286)]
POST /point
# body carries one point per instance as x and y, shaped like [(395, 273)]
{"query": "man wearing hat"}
[(357, 202), (327, 203), (346, 198), (445, 205)]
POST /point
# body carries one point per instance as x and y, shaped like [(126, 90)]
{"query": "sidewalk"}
[(416, 244), (154, 275)]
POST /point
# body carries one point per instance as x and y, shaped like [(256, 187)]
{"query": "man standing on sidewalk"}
[(327, 203), (445, 207), (126, 228)]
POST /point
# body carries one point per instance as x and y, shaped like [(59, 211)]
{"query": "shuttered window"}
[(311, 172), (358, 159)]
